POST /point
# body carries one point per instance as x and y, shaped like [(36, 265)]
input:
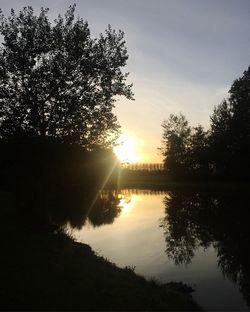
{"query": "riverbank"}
[(48, 271), (159, 181)]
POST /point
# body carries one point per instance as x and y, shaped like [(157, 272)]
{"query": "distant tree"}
[(57, 82), (224, 150), (176, 135), (198, 152), (221, 138)]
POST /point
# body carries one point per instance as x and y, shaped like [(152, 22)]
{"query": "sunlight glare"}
[(125, 149)]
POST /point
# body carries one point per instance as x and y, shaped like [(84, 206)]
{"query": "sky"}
[(183, 57)]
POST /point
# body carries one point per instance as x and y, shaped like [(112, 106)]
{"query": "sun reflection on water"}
[(127, 202)]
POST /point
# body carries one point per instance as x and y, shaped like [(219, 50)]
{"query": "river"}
[(196, 238)]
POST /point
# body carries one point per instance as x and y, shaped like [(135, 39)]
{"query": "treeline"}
[(222, 151), (143, 166)]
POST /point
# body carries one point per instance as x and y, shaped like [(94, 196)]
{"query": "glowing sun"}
[(125, 149)]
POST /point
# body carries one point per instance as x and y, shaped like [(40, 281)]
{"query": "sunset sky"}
[(184, 55)]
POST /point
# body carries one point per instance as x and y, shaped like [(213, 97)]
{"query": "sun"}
[(125, 149)]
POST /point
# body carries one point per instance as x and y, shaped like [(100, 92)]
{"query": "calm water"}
[(199, 239)]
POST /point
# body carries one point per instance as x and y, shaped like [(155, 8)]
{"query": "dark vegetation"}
[(142, 178), (57, 87), (57, 92), (44, 270), (57, 128), (57, 82), (219, 219), (220, 153)]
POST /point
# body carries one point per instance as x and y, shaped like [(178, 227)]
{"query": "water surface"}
[(199, 239)]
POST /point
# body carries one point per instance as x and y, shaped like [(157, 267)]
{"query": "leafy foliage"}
[(58, 82), (230, 131), (223, 151), (184, 148), (175, 139)]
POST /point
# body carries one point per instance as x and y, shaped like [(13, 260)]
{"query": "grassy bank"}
[(159, 181), (43, 271)]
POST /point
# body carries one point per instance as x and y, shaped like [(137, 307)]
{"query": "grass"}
[(46, 271), (152, 180)]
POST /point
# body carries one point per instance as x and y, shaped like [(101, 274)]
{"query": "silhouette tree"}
[(57, 82), (176, 133), (230, 131), (223, 151), (221, 138), (198, 152)]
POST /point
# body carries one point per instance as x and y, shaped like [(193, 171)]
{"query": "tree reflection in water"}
[(195, 220), (106, 208), (73, 208)]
